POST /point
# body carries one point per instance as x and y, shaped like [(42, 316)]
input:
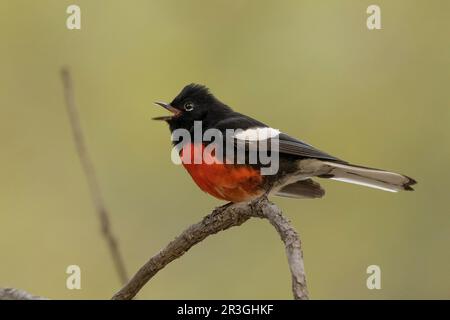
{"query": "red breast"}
[(231, 182)]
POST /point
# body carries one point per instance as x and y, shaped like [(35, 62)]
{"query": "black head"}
[(193, 103)]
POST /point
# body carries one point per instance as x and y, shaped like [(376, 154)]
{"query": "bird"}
[(300, 164)]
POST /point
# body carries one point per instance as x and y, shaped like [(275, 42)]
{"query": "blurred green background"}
[(311, 68)]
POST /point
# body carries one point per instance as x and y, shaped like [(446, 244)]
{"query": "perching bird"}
[(235, 181)]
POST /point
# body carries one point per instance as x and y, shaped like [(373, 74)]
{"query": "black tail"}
[(370, 177)]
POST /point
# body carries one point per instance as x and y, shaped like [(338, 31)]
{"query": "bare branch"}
[(293, 249), (91, 177), (17, 294), (223, 218)]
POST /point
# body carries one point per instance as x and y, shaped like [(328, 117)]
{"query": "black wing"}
[(292, 146), (287, 144)]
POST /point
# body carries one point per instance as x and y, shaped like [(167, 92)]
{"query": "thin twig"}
[(293, 248), (91, 178), (17, 294), (223, 218)]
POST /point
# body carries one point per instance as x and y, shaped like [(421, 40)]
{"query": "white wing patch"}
[(257, 134)]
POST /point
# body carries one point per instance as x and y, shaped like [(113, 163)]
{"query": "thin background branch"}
[(91, 176), (223, 218), (17, 294)]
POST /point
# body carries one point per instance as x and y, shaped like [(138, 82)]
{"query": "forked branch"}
[(223, 218)]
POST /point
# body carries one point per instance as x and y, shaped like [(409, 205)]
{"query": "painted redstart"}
[(238, 181)]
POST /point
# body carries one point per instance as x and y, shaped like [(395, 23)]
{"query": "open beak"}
[(167, 106)]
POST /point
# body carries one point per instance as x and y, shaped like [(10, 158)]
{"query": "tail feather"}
[(370, 177)]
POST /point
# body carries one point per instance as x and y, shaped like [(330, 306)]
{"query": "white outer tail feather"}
[(373, 178)]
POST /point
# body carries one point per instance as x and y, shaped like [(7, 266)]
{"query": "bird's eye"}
[(188, 106)]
